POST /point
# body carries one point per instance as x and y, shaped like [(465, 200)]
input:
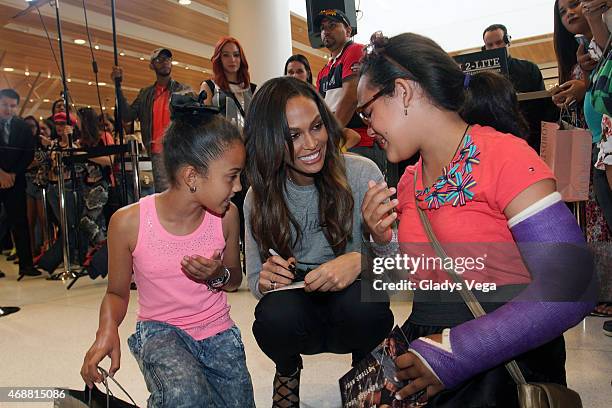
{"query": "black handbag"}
[(93, 398)]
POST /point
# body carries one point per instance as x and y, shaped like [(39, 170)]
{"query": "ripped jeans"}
[(183, 372)]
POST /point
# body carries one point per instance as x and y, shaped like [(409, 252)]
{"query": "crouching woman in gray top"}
[(302, 213)]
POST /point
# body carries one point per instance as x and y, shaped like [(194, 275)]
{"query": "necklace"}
[(455, 184)]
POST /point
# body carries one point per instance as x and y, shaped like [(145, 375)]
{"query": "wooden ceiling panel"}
[(176, 19), (30, 50)]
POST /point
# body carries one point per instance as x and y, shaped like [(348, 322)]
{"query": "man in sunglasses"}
[(337, 81), (152, 108)]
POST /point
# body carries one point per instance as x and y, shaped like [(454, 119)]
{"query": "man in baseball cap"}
[(337, 81), (163, 52), (152, 108)]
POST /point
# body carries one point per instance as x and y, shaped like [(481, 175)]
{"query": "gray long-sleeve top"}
[(302, 202)]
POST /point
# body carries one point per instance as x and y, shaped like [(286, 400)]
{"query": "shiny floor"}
[(43, 345)]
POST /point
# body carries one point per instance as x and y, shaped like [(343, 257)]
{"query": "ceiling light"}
[(49, 75), (186, 67), (41, 118), (141, 58), (175, 62), (122, 54), (31, 100), (89, 83), (97, 47), (27, 73), (46, 100), (88, 106), (104, 108), (102, 83), (79, 41), (69, 80), (8, 69), (184, 2)]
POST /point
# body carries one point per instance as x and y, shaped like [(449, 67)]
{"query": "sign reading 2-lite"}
[(490, 60)]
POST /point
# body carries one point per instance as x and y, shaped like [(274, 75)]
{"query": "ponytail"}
[(196, 136)]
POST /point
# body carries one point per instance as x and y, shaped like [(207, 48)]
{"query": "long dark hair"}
[(267, 142), (90, 127), (500, 109), (565, 48), (33, 119), (481, 99), (302, 60), (196, 140), (219, 73)]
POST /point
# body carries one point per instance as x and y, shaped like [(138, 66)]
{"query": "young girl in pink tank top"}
[(182, 246)]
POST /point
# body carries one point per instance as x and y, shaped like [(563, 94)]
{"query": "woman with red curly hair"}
[(230, 89)]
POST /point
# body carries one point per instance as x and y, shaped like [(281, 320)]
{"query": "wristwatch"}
[(217, 283)]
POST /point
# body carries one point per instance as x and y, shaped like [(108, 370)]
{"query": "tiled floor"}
[(43, 345)]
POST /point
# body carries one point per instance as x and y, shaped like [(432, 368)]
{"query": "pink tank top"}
[(165, 293)]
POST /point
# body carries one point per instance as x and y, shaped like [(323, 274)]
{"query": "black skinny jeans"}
[(293, 322)]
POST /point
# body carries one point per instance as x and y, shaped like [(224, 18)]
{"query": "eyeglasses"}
[(361, 110)]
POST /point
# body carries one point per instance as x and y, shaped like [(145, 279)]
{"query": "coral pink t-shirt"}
[(467, 215), (165, 293)]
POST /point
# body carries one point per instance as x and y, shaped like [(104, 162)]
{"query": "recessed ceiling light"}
[(27, 73), (8, 69), (186, 67), (104, 108), (41, 118), (184, 2), (45, 100), (48, 75), (69, 80), (89, 83), (97, 47), (141, 58), (122, 54), (31, 100), (175, 62), (102, 83), (79, 41), (89, 106)]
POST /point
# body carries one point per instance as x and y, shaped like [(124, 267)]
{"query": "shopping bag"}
[(567, 151), (94, 398)]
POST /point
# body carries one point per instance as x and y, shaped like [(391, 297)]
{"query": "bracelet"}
[(388, 249), (217, 283)]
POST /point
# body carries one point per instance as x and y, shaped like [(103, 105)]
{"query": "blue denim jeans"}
[(182, 372)]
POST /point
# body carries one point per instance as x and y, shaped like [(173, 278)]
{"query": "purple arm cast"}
[(561, 293)]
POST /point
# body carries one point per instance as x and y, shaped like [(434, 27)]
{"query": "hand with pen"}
[(276, 272), (332, 276)]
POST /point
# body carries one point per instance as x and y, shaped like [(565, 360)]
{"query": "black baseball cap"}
[(159, 51), (332, 14)]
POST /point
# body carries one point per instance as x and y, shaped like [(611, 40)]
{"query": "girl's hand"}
[(595, 7), (587, 64), (377, 211), (202, 269), (410, 367), (107, 344), (275, 273), (334, 275), (570, 91)]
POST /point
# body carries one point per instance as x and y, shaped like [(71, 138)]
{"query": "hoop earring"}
[(193, 189)]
